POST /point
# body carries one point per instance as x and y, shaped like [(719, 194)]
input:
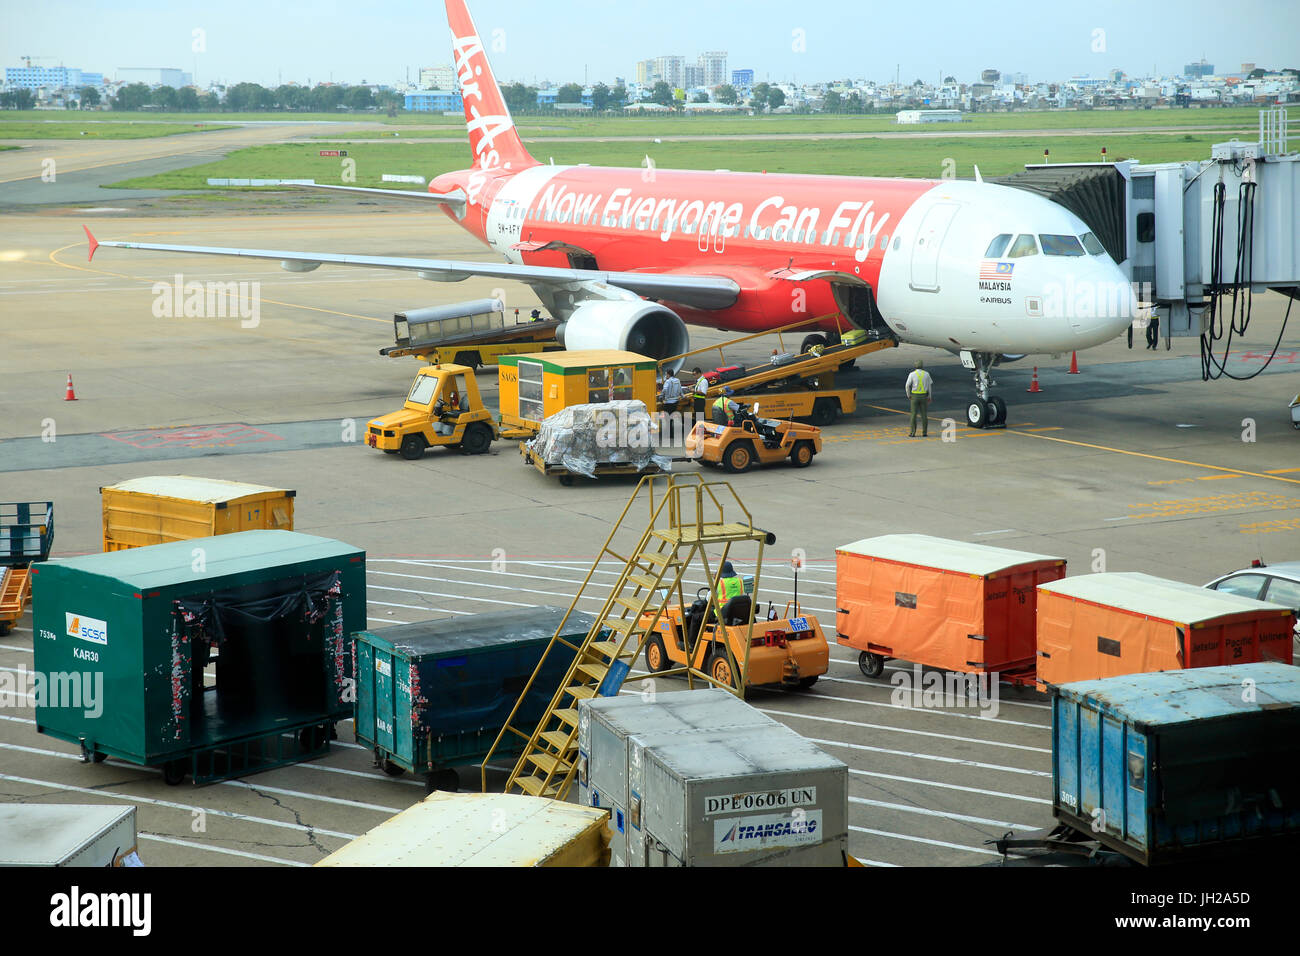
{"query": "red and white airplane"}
[(622, 256)]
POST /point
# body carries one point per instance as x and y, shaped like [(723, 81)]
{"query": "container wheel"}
[(873, 665), (656, 658), (801, 456), (477, 439), (313, 738), (413, 447), (739, 457), (174, 772), (392, 769), (443, 778), (4, 628), (99, 756), (720, 669), (807, 682), (566, 480)]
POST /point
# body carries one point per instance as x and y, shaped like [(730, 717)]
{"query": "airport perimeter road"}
[(1135, 464)]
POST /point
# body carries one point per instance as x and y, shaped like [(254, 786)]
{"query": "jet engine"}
[(642, 327)]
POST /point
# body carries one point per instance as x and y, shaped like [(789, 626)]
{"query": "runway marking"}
[(1217, 477), (950, 786), (1269, 527), (190, 844), (172, 805), (1000, 531), (909, 731), (914, 755), (940, 813), (1281, 471), (917, 839)]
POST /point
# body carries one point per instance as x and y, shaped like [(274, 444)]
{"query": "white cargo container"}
[(757, 797), (41, 834), (607, 724)]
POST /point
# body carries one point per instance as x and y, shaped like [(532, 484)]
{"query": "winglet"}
[(978, 177), (94, 243)]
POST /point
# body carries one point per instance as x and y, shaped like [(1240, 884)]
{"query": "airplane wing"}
[(455, 199), (700, 292)]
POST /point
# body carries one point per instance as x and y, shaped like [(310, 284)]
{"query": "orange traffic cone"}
[(70, 395), (1074, 364), (1033, 386)]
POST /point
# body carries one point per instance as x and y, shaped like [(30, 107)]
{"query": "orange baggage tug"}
[(790, 650), (962, 607)]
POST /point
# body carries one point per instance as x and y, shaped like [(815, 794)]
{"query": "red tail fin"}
[(492, 134)]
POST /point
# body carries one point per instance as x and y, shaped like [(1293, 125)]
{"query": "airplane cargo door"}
[(929, 240)]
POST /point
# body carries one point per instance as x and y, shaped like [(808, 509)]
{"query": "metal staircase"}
[(685, 517)]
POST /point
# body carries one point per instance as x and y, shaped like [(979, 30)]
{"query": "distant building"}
[(692, 76), (742, 79), (1198, 69), (644, 70), (50, 77), (152, 76), (669, 69), (437, 78), (991, 77), (928, 116), (714, 67), (434, 101)]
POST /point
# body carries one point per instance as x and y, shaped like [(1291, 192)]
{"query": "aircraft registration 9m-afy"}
[(625, 257)]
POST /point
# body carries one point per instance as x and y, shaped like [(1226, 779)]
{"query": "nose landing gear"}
[(986, 411)]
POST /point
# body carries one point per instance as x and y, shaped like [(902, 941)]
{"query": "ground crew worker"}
[(671, 393), (724, 409), (919, 387), (730, 585), (701, 391)]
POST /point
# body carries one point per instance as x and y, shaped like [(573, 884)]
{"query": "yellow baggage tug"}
[(442, 408)]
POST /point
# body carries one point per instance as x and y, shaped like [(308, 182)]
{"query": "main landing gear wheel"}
[(810, 341), (997, 410), (872, 665), (977, 414)]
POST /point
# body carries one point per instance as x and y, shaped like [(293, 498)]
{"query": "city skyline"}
[(822, 43)]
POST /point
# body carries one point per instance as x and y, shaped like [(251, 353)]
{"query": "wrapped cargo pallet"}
[(1119, 622), (1182, 766), (583, 437), (162, 508), (949, 604), (482, 829)]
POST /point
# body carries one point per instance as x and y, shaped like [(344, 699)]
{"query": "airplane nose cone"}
[(1102, 304)]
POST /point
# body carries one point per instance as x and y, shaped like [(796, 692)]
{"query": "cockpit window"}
[(1023, 246), (997, 246), (1060, 245), (1093, 244)]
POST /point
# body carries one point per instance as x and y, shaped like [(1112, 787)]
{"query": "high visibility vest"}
[(729, 588), (919, 388), (721, 406)]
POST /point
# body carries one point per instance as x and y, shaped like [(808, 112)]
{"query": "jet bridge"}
[(1195, 239)]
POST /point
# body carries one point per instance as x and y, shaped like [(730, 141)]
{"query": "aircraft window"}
[(1060, 245), (1093, 245), (997, 246), (1023, 246), (898, 241)]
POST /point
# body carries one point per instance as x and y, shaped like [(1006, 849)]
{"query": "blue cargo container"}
[(1180, 766), (435, 694)]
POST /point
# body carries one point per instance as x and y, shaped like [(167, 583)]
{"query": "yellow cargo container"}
[(536, 386), (165, 508), (483, 829)]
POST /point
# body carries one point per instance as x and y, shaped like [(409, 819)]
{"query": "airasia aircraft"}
[(625, 256)]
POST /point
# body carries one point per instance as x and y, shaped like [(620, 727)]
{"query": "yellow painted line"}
[(120, 275), (1044, 428), (1215, 477), (1281, 471), (1138, 454)]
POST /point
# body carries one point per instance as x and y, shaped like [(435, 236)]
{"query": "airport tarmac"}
[(1134, 464)]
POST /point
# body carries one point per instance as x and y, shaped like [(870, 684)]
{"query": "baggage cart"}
[(1120, 622), (43, 834), (932, 601), (133, 635), (26, 536), (435, 694), (162, 508)]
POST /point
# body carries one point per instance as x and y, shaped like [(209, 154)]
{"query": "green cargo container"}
[(123, 640), (435, 694)]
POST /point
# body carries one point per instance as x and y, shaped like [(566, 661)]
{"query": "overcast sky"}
[(269, 41)]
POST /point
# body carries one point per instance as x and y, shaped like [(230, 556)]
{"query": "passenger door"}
[(926, 247)]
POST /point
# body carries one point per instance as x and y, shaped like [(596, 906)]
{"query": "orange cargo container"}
[(950, 604), (1104, 625)]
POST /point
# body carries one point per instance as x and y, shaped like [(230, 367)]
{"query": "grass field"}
[(925, 158), (93, 129)]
